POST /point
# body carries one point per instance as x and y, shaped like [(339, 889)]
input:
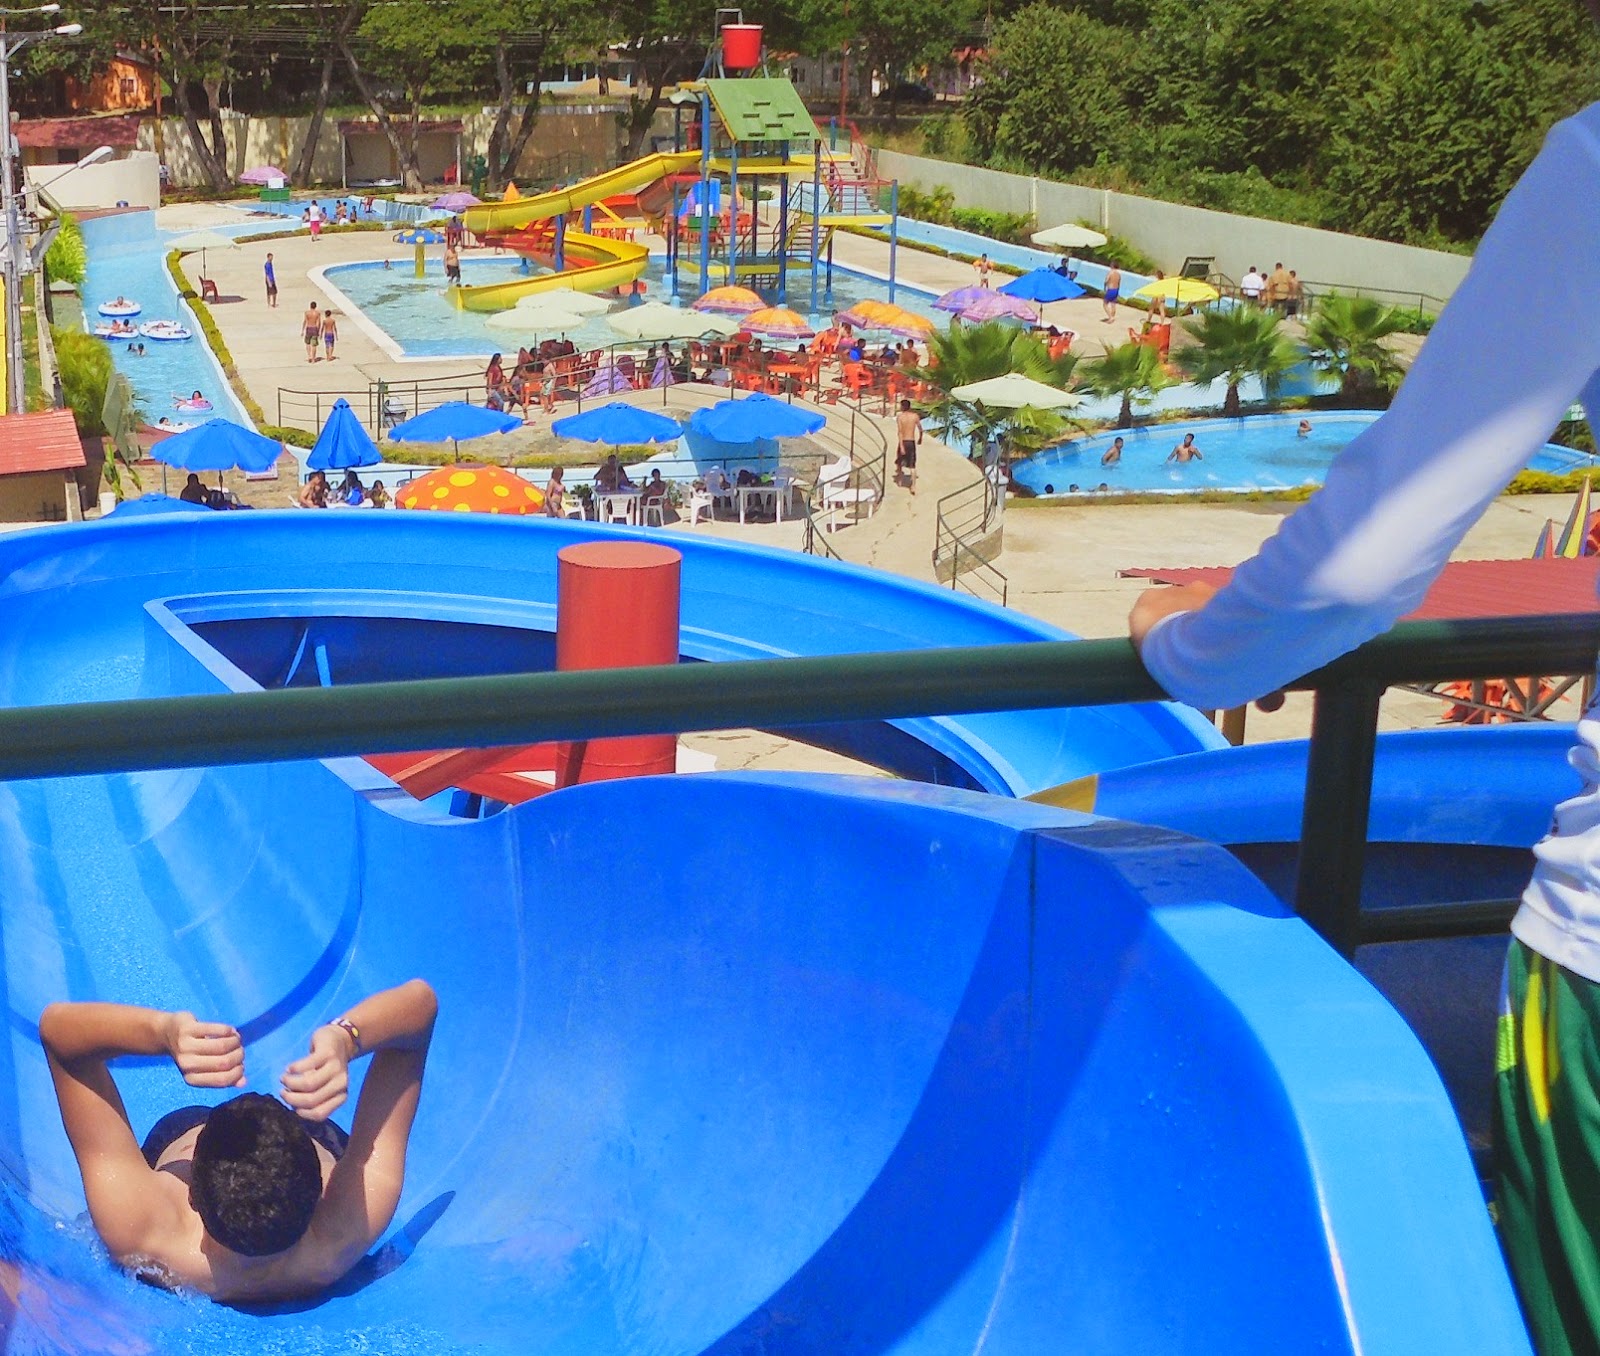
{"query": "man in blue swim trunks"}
[(258, 1198), (1113, 290)]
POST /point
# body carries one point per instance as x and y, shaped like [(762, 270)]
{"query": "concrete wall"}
[(1170, 232), (36, 496), (135, 180), (588, 131)]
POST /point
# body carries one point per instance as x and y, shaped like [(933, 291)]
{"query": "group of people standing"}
[(319, 327), (1279, 290)]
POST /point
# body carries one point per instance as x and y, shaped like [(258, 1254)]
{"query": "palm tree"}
[(1235, 343), (1345, 339), (1132, 371), (967, 353)]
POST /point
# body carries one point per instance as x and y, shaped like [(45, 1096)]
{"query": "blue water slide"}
[(725, 1063)]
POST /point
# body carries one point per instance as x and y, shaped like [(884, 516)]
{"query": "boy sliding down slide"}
[(250, 1200)]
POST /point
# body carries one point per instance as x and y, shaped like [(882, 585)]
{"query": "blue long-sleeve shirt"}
[(1475, 407)]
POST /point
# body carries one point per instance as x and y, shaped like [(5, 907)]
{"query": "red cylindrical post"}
[(616, 607)]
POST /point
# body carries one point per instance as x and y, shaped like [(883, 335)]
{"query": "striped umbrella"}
[(960, 299), (869, 315), (778, 322), (730, 300), (998, 306)]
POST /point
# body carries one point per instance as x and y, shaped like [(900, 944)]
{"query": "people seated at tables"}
[(351, 491), (612, 477), (654, 488), (853, 350), (193, 492), (314, 493), (717, 482)]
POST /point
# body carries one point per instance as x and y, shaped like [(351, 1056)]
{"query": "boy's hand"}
[(208, 1054), (1162, 601), (317, 1085)]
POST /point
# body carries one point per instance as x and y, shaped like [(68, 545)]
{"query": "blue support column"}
[(674, 242), (705, 191), (894, 233), (733, 214), (588, 216), (816, 219), (561, 242)]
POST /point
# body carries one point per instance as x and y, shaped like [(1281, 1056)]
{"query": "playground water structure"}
[(947, 1078), (1257, 452), (417, 318)]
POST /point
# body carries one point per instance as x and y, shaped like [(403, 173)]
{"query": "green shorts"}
[(1547, 1149)]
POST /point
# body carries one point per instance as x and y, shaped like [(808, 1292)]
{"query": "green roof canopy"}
[(761, 109)]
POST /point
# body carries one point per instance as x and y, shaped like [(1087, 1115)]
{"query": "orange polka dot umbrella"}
[(471, 489)]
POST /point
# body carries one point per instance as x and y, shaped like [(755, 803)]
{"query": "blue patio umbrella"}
[(453, 422), (617, 424), (756, 416), (147, 504), (219, 445), (1043, 284), (343, 442)]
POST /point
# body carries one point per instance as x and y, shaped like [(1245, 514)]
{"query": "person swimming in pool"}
[(1185, 451), (257, 1198), (1112, 454), (1304, 430)]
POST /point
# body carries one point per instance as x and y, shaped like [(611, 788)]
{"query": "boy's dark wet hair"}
[(255, 1179)]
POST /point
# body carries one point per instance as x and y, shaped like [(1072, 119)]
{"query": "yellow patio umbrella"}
[(1179, 291), (732, 300), (778, 322)]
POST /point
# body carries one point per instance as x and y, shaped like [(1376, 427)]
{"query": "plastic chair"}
[(700, 501), (655, 512)]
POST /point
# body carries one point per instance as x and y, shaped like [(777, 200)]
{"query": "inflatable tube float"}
[(167, 331), (116, 329), (120, 307), (190, 403)]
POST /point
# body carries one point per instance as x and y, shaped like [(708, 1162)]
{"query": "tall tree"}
[(666, 41), (335, 21)]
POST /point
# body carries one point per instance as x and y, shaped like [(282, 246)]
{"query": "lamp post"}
[(11, 43)]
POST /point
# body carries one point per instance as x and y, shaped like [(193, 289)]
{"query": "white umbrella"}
[(655, 321), (544, 320), (203, 241), (1013, 391), (1069, 237), (567, 299)]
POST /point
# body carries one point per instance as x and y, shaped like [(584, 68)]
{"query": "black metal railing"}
[(276, 726), (966, 517)]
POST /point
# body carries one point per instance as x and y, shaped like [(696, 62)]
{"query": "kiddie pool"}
[(1257, 452)]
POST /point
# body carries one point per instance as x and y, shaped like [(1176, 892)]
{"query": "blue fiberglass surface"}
[(418, 316), (1260, 452), (687, 1103)]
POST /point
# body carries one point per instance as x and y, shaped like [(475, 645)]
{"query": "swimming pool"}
[(418, 318), (1260, 452)]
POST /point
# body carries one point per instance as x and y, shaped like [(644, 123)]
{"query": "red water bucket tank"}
[(741, 46)]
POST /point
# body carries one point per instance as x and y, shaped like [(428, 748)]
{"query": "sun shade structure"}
[(998, 306), (203, 241), (343, 442), (1069, 237), (759, 108), (453, 422), (753, 418), (1182, 291), (656, 320), (730, 301), (1042, 284), (552, 317), (1013, 391), (617, 425), (869, 315), (418, 235), (263, 174), (218, 445), (960, 299), (154, 502), (568, 299), (471, 489), (458, 201), (778, 322)]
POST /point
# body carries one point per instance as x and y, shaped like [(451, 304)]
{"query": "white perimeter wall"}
[(1170, 232), (135, 181)]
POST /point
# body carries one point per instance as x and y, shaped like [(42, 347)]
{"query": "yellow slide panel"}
[(594, 264)]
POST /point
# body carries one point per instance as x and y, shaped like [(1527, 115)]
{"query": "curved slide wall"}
[(724, 1063)]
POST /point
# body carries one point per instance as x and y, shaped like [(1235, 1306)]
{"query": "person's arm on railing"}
[(1363, 551)]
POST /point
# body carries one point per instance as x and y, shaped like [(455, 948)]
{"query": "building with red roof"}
[(40, 457)]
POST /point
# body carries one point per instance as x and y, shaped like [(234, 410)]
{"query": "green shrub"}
[(85, 366), (1012, 227), (213, 336), (934, 206), (67, 259), (1118, 251), (1414, 320), (295, 437)]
